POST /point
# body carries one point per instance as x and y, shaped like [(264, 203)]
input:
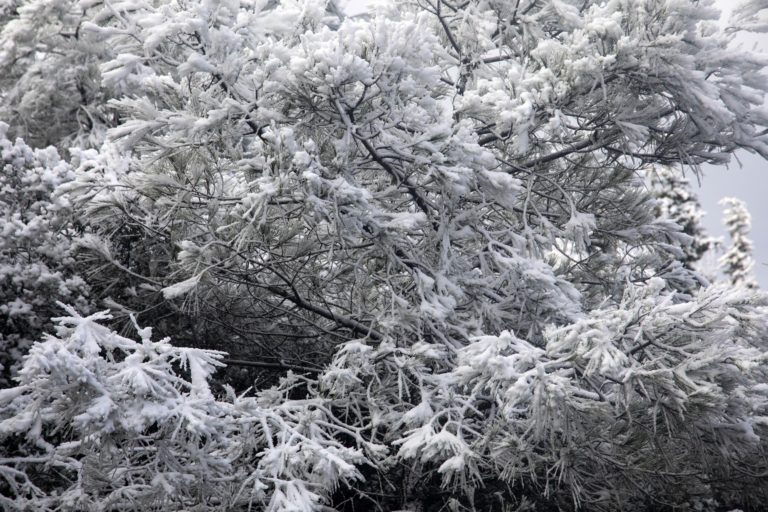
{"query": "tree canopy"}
[(443, 256)]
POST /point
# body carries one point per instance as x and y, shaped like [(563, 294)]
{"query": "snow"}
[(181, 288), (446, 247)]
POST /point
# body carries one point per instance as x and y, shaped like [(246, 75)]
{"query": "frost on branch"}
[(36, 242), (49, 76), (677, 202), (438, 216), (588, 412), (100, 421)]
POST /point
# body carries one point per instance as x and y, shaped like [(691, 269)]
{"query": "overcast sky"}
[(747, 180)]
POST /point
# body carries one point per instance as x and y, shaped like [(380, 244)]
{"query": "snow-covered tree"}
[(50, 82), (737, 262), (102, 422), (438, 218), (679, 202), (36, 243), (341, 183)]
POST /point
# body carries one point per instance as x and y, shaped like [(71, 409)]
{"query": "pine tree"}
[(738, 262), (111, 423), (677, 201), (37, 267), (432, 231), (50, 82)]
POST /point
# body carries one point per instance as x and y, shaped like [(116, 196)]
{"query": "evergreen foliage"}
[(37, 234), (424, 238), (737, 261)]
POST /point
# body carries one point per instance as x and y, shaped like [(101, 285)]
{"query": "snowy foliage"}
[(435, 218), (678, 202), (117, 424), (737, 261), (36, 242), (579, 410), (49, 72)]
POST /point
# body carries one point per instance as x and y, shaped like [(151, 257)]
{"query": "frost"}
[(181, 288), (579, 228), (403, 221), (448, 247)]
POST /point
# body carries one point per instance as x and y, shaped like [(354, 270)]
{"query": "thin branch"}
[(270, 366)]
